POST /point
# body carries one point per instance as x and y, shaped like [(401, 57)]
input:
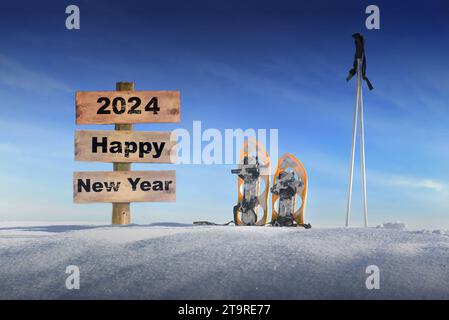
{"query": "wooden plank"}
[(124, 186), (122, 107), (125, 146)]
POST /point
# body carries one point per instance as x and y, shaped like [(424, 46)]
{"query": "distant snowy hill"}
[(172, 261)]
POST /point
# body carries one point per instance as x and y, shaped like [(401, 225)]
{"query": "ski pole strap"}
[(359, 54)]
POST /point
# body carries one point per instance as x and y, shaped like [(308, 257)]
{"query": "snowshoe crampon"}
[(253, 184), (289, 188)]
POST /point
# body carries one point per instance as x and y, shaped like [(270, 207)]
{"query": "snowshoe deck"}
[(253, 184), (289, 182)]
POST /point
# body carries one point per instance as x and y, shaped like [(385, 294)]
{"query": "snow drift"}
[(172, 261)]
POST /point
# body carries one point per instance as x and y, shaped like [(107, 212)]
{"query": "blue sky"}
[(251, 64)]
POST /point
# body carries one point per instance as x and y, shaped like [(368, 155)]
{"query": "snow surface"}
[(175, 261), (393, 225)]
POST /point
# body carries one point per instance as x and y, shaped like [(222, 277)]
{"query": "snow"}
[(393, 225), (176, 261)]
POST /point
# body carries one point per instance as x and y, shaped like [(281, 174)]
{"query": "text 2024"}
[(120, 105)]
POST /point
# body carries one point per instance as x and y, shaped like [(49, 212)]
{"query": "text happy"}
[(151, 149)]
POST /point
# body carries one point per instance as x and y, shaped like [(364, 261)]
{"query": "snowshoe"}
[(253, 182), (289, 186)]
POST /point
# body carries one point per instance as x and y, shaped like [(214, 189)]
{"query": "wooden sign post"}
[(124, 107), (121, 211)]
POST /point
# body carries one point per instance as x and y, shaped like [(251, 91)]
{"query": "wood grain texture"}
[(148, 146), (87, 106), (84, 191)]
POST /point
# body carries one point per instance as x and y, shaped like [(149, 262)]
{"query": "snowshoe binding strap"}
[(208, 223), (288, 221)]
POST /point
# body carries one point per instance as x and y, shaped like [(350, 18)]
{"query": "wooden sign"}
[(125, 146), (124, 186), (125, 107)]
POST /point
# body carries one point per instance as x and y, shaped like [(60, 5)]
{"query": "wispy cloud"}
[(418, 183), (9, 148), (18, 76), (336, 168), (17, 141), (292, 89)]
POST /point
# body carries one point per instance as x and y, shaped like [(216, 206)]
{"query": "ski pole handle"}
[(359, 45)]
